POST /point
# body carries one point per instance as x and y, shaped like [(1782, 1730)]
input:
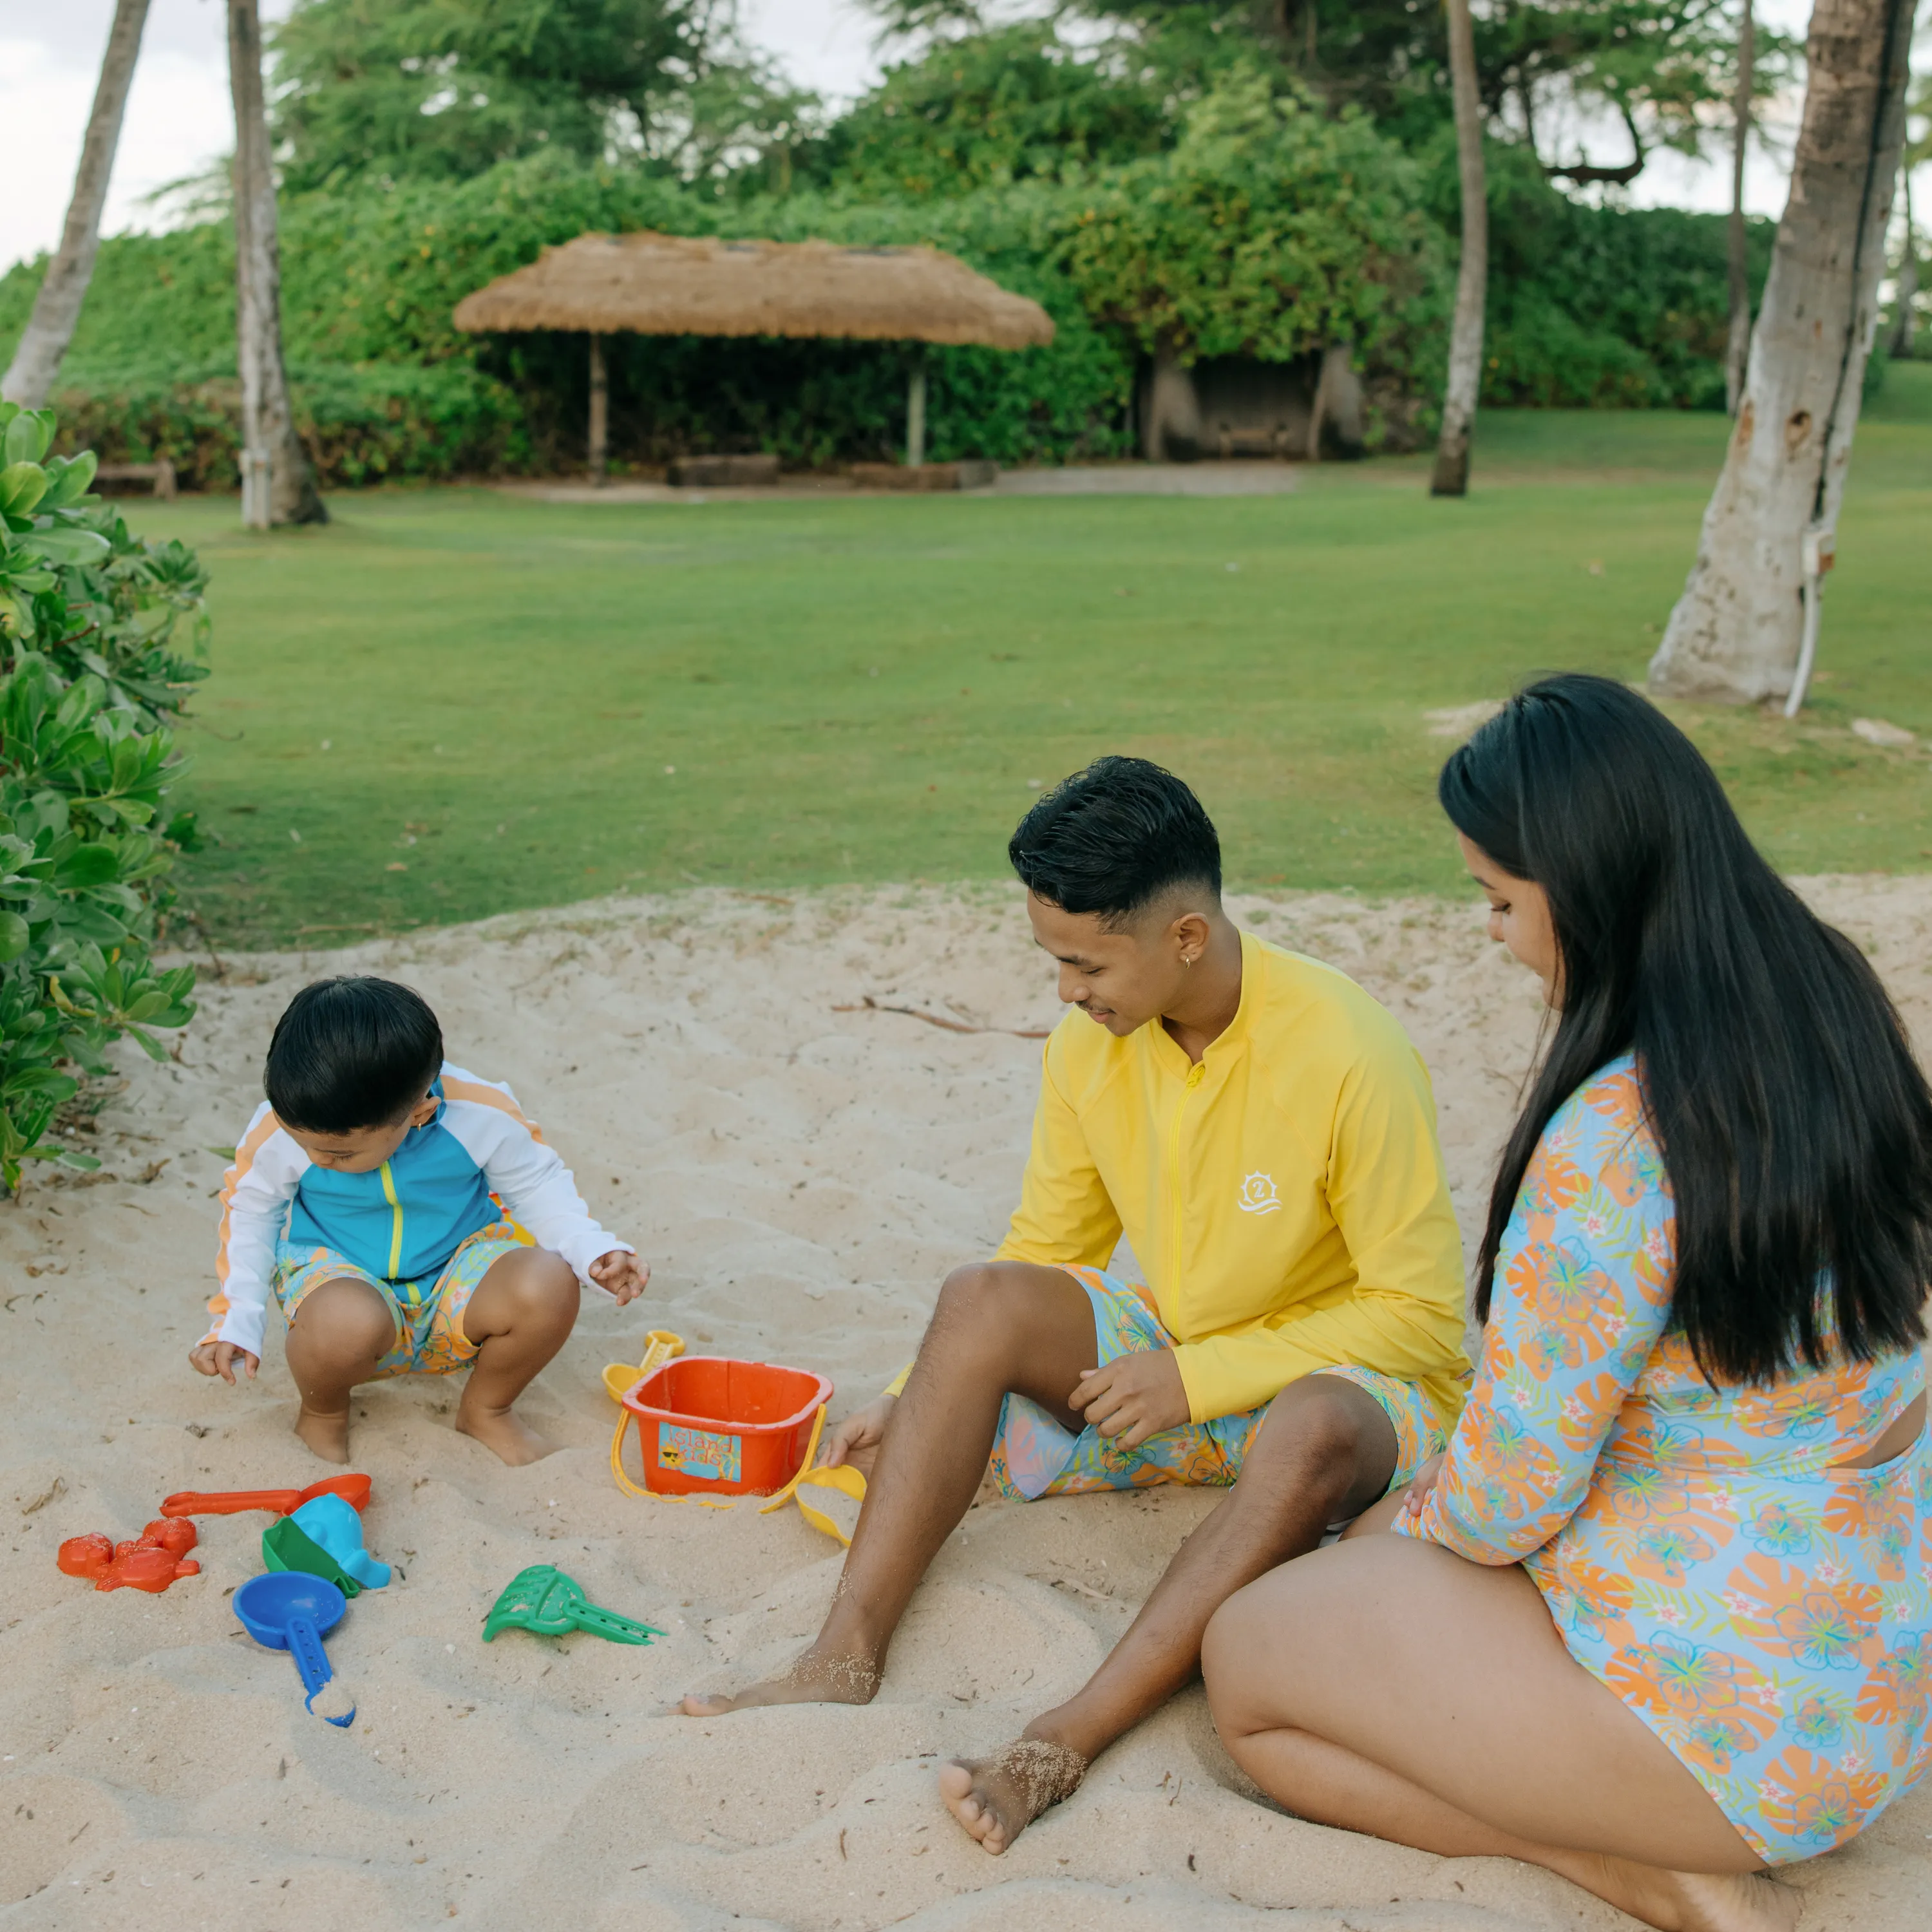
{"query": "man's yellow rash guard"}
[(1285, 1198)]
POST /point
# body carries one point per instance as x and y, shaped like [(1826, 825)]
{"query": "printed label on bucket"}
[(697, 1453)]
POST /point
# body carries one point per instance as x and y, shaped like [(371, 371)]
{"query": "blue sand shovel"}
[(288, 1610)]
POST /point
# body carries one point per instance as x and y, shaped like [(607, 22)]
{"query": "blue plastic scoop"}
[(288, 1610)]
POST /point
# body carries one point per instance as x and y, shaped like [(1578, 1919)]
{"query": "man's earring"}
[(1187, 959)]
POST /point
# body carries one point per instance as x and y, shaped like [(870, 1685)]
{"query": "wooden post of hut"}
[(916, 410), (600, 409), (704, 285)]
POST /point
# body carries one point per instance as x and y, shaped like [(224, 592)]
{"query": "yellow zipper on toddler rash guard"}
[(396, 1226), (1188, 1086)]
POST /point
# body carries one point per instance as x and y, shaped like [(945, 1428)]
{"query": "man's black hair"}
[(352, 1053), (1114, 839)]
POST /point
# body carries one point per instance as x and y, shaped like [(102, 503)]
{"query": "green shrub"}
[(101, 635)]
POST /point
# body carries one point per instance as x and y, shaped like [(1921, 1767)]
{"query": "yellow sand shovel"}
[(620, 1378)]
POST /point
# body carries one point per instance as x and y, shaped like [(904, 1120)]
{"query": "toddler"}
[(407, 1217)]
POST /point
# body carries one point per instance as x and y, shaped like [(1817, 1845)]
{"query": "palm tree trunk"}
[(1738, 351), (36, 360), (1451, 477), (276, 485), (1735, 634)]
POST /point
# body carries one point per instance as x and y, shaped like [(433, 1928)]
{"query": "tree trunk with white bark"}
[(1738, 351), (1451, 476), (277, 486), (30, 376), (1735, 635)]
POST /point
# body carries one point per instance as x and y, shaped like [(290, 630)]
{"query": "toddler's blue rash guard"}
[(404, 1220)]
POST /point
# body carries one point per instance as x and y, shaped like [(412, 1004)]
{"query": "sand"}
[(801, 1171)]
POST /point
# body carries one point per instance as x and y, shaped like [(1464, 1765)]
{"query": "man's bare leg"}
[(1325, 1451), (1000, 1328)]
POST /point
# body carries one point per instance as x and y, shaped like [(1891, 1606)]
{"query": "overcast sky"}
[(178, 115)]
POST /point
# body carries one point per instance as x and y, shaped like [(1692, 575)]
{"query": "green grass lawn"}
[(451, 702)]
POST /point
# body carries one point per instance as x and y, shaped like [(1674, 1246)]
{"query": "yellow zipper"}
[(1188, 1086), (396, 1223)]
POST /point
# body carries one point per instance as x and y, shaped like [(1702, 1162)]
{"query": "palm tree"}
[(36, 360), (1451, 477), (277, 486), (1745, 625)]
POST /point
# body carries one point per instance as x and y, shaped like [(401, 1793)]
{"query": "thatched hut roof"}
[(652, 284)]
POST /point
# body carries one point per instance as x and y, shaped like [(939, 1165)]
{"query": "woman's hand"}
[(621, 1275), (1424, 1481), (1133, 1397), (856, 1439), (219, 1358)]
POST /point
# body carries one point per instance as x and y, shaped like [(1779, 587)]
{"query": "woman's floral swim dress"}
[(1767, 1614)]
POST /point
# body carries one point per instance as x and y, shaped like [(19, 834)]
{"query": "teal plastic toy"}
[(329, 1521), (543, 1599), (324, 1538)]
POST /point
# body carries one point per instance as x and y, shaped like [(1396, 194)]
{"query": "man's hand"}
[(622, 1275), (856, 1439), (219, 1358), (1424, 1480), (1133, 1397)]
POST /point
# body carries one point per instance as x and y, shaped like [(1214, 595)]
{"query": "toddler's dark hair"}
[(352, 1053), (1114, 839)]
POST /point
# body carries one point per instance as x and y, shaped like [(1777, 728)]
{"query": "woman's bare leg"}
[(1386, 1686), (1000, 1328), (341, 1331)]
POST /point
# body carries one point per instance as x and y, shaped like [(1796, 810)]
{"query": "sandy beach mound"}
[(802, 1169)]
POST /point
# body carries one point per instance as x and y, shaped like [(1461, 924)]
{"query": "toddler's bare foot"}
[(996, 1798), (503, 1432), (821, 1676), (327, 1435)]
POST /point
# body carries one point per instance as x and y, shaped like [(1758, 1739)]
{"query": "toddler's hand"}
[(621, 1274), (1133, 1397), (1417, 1493), (218, 1358), (856, 1439)]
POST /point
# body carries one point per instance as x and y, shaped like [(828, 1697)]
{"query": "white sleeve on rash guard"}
[(530, 1178), (255, 1195)]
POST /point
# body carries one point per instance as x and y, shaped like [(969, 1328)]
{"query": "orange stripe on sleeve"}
[(487, 1096), (245, 1159)]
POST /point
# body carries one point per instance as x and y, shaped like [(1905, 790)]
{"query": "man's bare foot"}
[(1690, 1901), (504, 1432), (327, 1435), (821, 1676), (996, 1798)]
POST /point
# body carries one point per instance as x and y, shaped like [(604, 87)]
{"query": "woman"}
[(1660, 1619)]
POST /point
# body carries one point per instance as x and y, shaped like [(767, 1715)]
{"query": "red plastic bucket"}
[(712, 1426)]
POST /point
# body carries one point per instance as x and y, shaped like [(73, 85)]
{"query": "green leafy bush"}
[(100, 636)]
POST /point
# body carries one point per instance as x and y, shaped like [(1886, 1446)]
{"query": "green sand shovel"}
[(543, 1599)]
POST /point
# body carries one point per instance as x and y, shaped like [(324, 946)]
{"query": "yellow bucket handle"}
[(843, 1478)]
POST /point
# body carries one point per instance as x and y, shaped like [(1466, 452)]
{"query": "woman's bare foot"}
[(503, 1432), (996, 1798), (327, 1435), (821, 1676), (1688, 1901)]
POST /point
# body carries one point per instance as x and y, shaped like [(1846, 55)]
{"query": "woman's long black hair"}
[(1796, 1126)]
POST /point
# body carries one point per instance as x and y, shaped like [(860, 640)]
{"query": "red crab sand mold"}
[(152, 1560)]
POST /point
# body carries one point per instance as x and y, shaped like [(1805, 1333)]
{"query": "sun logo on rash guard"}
[(1257, 1194)]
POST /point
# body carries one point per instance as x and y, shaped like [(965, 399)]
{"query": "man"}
[(1263, 1134)]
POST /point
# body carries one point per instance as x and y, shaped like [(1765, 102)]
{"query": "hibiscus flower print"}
[(1770, 1619)]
